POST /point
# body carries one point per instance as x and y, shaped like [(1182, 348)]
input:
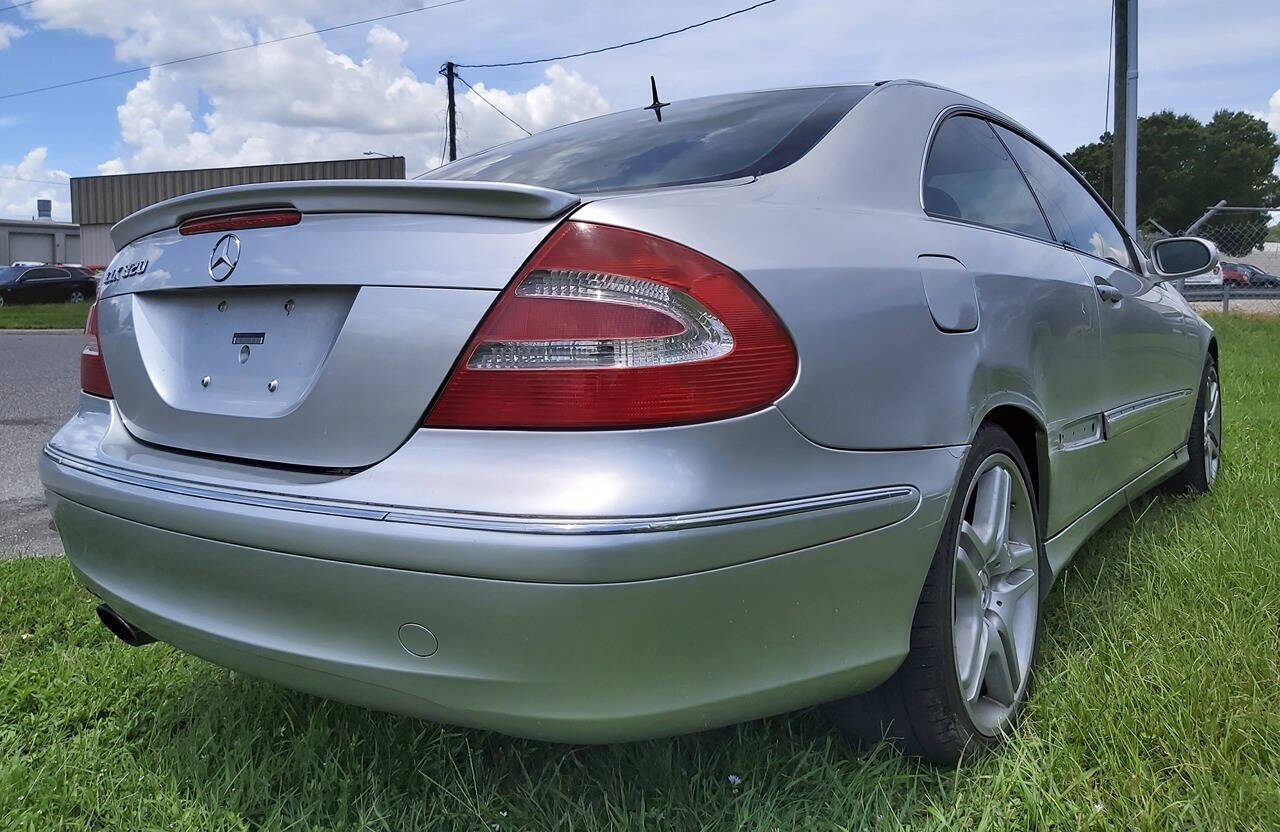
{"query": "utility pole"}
[(451, 114), (1124, 146)]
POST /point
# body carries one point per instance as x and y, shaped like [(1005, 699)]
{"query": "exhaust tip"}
[(122, 629)]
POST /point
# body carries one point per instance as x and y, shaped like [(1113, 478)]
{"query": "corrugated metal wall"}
[(109, 199), (96, 248)]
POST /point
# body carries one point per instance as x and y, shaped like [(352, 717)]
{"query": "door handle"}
[(1106, 291)]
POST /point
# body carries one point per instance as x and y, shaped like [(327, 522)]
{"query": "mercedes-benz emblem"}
[(226, 253)]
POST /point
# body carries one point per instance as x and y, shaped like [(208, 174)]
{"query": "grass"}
[(43, 315), (1158, 707)]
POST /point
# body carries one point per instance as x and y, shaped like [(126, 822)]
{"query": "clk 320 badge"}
[(125, 270)]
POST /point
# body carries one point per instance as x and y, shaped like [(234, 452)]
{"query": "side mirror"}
[(1177, 257)]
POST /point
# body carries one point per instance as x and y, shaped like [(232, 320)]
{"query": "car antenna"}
[(657, 105)]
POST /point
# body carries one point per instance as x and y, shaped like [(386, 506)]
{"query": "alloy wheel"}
[(76, 297), (995, 594), (1212, 425)]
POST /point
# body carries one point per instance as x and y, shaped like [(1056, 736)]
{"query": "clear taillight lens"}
[(657, 326), (606, 327), (93, 370)]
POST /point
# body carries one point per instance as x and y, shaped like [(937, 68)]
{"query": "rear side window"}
[(702, 140), (1077, 218), (44, 274), (969, 176)]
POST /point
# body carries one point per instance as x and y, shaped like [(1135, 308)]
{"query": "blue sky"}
[(375, 87)]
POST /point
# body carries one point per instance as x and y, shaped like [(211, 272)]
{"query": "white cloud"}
[(8, 32), (376, 89), (296, 100), (1272, 115), (18, 191)]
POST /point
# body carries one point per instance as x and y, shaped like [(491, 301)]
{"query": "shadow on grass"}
[(1104, 566), (335, 759)]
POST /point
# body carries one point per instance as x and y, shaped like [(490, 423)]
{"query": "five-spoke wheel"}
[(995, 594), (1212, 425), (1204, 440), (977, 624)]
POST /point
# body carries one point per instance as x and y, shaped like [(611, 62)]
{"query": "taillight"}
[(93, 371), (606, 327), (237, 222)]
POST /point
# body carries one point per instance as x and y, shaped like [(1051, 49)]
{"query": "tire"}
[(1204, 442), (930, 707), (76, 296)]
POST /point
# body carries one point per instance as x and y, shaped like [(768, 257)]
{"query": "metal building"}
[(39, 241), (99, 202)]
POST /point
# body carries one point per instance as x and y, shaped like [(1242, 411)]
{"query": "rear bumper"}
[(581, 630)]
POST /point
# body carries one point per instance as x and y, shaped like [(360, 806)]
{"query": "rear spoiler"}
[(328, 196)]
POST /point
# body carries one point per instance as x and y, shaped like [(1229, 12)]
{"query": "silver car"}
[(638, 427)]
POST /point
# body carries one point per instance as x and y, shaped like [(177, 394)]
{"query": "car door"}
[(82, 282), (57, 285), (1148, 342), (34, 285), (1039, 313), (63, 284)]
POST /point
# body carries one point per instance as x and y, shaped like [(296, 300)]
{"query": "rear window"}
[(969, 176), (702, 140)]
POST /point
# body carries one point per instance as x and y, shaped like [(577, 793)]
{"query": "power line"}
[(620, 45), (16, 6), (491, 104), (309, 33), (37, 181)]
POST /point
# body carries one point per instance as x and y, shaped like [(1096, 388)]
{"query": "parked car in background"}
[(1234, 275), (46, 284), (790, 397), (1256, 276), (1211, 278)]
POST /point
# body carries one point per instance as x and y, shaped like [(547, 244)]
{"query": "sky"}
[(375, 87)]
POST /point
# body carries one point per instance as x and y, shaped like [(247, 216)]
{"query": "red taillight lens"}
[(606, 327), (93, 371), (237, 222)]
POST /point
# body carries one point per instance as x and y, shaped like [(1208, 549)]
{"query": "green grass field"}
[(43, 315), (1158, 707)]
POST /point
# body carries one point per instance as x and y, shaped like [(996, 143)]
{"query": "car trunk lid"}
[(325, 341)]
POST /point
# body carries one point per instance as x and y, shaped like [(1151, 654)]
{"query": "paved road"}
[(39, 382)]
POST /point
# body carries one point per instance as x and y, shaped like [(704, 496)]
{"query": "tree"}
[(1184, 166)]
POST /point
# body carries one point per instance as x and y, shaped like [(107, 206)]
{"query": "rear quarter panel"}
[(876, 372), (833, 244)]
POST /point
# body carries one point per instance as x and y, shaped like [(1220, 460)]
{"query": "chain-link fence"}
[(1248, 279)]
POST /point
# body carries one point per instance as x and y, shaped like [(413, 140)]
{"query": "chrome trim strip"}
[(244, 497), (1115, 418), (494, 522), (662, 523)]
